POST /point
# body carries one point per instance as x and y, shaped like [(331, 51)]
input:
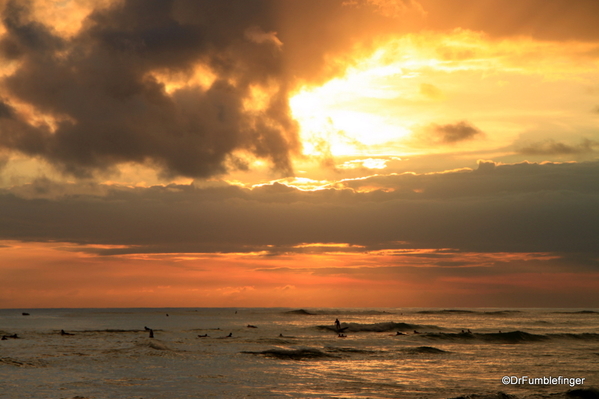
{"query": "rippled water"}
[(110, 354)]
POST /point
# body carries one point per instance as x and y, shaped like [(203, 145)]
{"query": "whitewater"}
[(299, 353)]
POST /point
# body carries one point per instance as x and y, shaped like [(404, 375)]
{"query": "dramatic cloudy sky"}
[(299, 153)]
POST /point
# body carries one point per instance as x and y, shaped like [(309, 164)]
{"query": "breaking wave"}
[(582, 336), (446, 311), (293, 354), (427, 350), (378, 327), (349, 350), (579, 312), (471, 312), (301, 312), (333, 312), (511, 337), (507, 337)]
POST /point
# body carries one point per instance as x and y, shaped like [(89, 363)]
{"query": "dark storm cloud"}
[(111, 109), (552, 147), (452, 133), (6, 111), (496, 208), (104, 89)]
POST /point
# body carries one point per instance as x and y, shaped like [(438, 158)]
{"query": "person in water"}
[(63, 332), (337, 324)]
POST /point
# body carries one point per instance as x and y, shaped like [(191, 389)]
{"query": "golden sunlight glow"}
[(368, 163), (329, 114), (37, 118), (65, 17), (201, 76), (300, 183), (260, 97), (327, 245), (383, 102)]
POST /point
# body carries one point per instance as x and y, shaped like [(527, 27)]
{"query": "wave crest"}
[(377, 327), (293, 354)]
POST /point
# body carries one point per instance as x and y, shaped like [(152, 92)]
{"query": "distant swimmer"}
[(203, 336), (251, 326), (286, 336), (63, 332), (342, 335), (226, 336), (167, 315), (400, 333)]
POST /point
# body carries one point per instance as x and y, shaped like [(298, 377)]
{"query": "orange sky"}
[(314, 153)]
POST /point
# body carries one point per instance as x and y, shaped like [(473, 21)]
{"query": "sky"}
[(299, 153)]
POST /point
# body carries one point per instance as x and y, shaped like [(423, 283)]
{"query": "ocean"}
[(298, 353)]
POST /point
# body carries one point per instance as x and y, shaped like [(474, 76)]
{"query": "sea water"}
[(298, 353)]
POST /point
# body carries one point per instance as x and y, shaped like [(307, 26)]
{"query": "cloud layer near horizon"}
[(496, 208)]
